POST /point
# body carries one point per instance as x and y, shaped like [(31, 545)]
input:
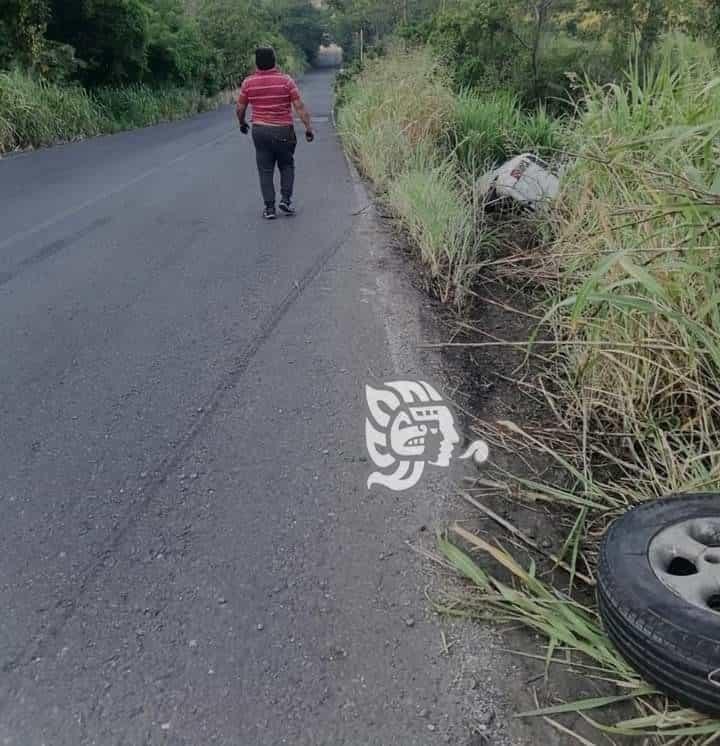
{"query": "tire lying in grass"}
[(659, 595)]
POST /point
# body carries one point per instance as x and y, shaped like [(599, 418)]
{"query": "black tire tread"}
[(690, 690), (640, 633)]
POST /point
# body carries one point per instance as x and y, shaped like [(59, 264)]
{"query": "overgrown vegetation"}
[(492, 128), (626, 270), (35, 113), (540, 50), (422, 146), (72, 68), (395, 120)]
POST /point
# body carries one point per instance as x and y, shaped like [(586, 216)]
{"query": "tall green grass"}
[(393, 112), (442, 225), (35, 113), (492, 128), (140, 106), (394, 120), (637, 288)]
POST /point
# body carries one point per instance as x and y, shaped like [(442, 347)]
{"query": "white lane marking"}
[(22, 235)]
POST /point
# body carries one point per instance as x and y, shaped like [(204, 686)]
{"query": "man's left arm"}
[(241, 110), (301, 110)]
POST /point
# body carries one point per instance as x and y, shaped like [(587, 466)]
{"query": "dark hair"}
[(265, 58)]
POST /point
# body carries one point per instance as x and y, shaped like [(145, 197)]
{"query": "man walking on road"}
[(272, 96)]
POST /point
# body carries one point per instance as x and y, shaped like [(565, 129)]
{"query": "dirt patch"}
[(491, 384)]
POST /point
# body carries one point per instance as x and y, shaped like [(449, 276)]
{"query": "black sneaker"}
[(269, 213), (287, 208)]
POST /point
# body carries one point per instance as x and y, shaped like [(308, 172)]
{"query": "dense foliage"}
[(116, 42), (541, 50)]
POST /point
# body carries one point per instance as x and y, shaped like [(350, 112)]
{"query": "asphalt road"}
[(188, 554)]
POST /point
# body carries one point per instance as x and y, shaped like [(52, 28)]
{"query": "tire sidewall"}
[(628, 578)]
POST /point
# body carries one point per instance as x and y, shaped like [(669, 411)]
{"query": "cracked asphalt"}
[(188, 553)]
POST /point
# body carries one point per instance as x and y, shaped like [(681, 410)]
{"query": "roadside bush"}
[(481, 126), (34, 112), (139, 106), (234, 28), (177, 53), (57, 63), (630, 362), (540, 132), (22, 30), (566, 63), (343, 80), (488, 45), (477, 41)]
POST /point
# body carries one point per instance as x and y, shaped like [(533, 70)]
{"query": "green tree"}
[(377, 19), (22, 31), (301, 24), (109, 36), (628, 18), (177, 52), (194, 43), (233, 28), (480, 40)]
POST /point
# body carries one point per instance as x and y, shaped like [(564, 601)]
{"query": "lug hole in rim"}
[(714, 602), (681, 566), (713, 559), (707, 532)]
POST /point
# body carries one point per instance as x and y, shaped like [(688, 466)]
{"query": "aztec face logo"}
[(411, 425)]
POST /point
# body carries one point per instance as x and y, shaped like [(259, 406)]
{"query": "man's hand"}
[(240, 112), (309, 135)]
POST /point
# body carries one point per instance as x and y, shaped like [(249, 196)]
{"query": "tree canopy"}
[(208, 43)]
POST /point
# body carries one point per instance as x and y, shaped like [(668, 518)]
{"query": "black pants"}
[(275, 145)]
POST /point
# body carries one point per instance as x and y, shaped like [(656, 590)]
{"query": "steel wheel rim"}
[(685, 557)]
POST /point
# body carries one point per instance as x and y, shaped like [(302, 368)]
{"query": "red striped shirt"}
[(270, 93)]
